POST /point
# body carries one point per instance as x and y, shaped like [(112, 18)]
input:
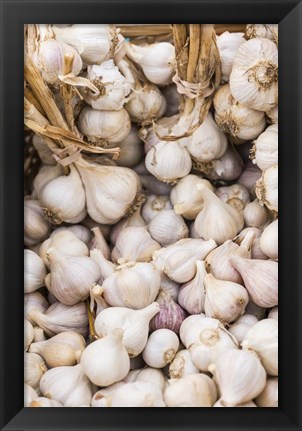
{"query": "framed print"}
[(154, 176)]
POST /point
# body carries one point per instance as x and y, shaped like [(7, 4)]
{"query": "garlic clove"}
[(192, 294), (36, 227), (98, 241), (168, 227), (34, 368), (161, 348), (107, 268), (34, 271), (154, 205), (34, 301), (255, 215), (269, 396)]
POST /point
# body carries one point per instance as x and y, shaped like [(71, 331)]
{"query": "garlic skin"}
[(254, 76), (34, 368), (71, 276), (161, 348), (269, 240), (260, 278), (147, 374), (240, 376), (61, 318), (110, 190), (170, 315), (68, 385), (29, 395), (134, 244), (98, 242), (196, 390), (217, 220), (236, 119), (182, 365), (185, 196), (46, 174), (80, 231), (44, 402), (220, 403), (235, 195), (242, 325), (272, 115), (168, 161), (43, 150), (146, 104), (63, 198), (207, 143), (156, 60), (154, 205), (269, 31), (107, 268), (265, 148), (269, 395), (178, 261), (262, 338), (134, 220), (255, 215), (249, 176), (192, 294), (135, 324), (28, 334), (167, 228), (273, 314), (34, 301), (187, 324), (113, 87), (134, 285), (36, 227), (228, 44), (63, 349), (131, 149), (34, 271), (267, 188), (106, 361), (169, 286)]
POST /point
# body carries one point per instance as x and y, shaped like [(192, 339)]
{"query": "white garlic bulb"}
[(114, 89), (34, 368), (254, 76), (34, 301), (63, 198), (154, 205), (217, 220), (242, 325), (249, 176), (34, 271), (80, 231), (161, 348), (169, 286), (228, 44), (192, 294), (110, 190), (236, 195), (187, 324), (146, 104), (267, 188), (28, 334), (269, 31), (29, 395), (236, 119), (45, 402), (195, 390), (221, 403), (68, 385), (273, 314), (168, 227), (178, 261), (36, 227), (131, 149), (157, 61), (135, 324), (269, 395), (46, 174), (262, 338), (182, 365), (269, 240), (63, 349), (255, 215), (265, 148), (147, 374), (133, 285), (240, 376), (134, 244)]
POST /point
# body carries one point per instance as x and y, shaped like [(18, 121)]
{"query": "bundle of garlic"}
[(151, 217)]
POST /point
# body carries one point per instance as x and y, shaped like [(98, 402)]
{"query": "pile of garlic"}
[(152, 280)]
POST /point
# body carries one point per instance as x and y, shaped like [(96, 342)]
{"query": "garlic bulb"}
[(146, 104), (44, 402), (260, 278), (131, 149), (157, 61), (63, 198), (68, 385), (192, 294), (168, 227), (34, 271), (28, 334), (110, 190), (269, 395), (235, 195), (106, 266), (135, 324), (272, 115), (94, 42), (133, 285), (262, 338), (182, 365), (61, 318), (220, 403), (36, 227), (134, 244), (110, 126), (161, 348), (195, 390), (249, 176), (170, 315), (34, 301), (29, 395), (217, 220), (228, 44), (98, 241), (207, 143), (240, 376), (186, 198), (255, 215), (169, 286), (71, 276), (106, 361), (236, 119), (178, 261), (269, 31), (267, 188), (131, 221), (269, 240), (114, 89), (45, 175), (147, 374), (242, 325), (154, 205), (273, 314), (187, 324), (265, 148), (63, 349), (254, 76), (168, 161), (34, 368), (80, 231)]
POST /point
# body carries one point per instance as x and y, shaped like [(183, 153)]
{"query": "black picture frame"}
[(16, 13)]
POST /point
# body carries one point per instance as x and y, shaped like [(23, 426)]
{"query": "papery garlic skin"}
[(255, 215), (269, 31), (168, 227), (29, 395), (34, 271), (267, 188), (269, 240), (192, 294), (154, 205), (146, 104), (34, 368), (228, 44), (265, 148), (242, 325), (269, 395), (182, 365), (161, 348), (28, 334), (36, 227), (45, 175), (254, 76)]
